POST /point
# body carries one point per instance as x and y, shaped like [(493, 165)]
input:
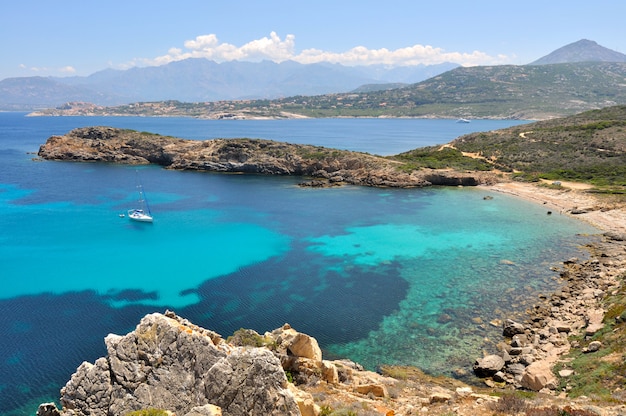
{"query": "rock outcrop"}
[(169, 363), (328, 166)]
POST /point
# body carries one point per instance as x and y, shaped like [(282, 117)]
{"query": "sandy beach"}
[(571, 199)]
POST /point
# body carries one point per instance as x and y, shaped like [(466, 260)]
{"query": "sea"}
[(414, 277)]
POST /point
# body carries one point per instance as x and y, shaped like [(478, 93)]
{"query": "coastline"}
[(548, 330), (570, 200)]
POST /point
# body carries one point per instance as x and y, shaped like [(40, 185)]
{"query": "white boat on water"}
[(141, 214), (462, 120)]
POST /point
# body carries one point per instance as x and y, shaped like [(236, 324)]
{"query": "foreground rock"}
[(328, 166), (170, 364)]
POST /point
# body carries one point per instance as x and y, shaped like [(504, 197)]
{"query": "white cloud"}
[(63, 70), (67, 70), (278, 50)]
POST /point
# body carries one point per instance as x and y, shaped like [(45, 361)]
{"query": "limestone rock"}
[(329, 372), (48, 409), (305, 402), (171, 364), (510, 328), (488, 366), (594, 319), (377, 390), (206, 410), (538, 376), (440, 397), (593, 346), (297, 344), (250, 381)]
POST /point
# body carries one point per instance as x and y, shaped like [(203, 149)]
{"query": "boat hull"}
[(140, 216)]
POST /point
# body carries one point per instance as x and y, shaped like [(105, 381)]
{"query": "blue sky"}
[(80, 37)]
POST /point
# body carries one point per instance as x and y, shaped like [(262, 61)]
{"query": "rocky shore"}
[(171, 364)]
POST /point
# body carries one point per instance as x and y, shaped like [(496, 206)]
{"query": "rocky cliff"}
[(327, 166), (170, 364)]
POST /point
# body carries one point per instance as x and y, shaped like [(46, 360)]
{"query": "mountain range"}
[(198, 80), (202, 80)]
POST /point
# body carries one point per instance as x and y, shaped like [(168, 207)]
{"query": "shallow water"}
[(380, 276)]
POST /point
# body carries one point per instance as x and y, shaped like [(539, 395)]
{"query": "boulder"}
[(305, 402), (488, 366), (377, 390), (329, 372), (593, 346), (48, 409), (296, 343), (594, 318), (250, 381), (510, 328), (538, 376)]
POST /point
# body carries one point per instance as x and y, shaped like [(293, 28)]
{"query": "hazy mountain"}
[(582, 51), (18, 94), (198, 80)]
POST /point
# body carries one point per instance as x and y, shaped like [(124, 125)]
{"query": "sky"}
[(81, 37)]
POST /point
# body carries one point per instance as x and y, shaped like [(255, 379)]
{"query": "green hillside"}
[(507, 91), (588, 147)]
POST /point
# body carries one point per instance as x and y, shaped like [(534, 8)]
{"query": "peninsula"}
[(254, 156)]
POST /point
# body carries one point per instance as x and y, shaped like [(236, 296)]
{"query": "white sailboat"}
[(142, 213)]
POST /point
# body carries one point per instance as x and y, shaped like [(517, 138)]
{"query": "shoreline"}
[(570, 200), (577, 308)]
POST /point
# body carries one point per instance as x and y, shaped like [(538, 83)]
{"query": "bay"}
[(380, 276)]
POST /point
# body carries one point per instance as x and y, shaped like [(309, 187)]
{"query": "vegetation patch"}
[(601, 374), (589, 147), (250, 338), (439, 158)]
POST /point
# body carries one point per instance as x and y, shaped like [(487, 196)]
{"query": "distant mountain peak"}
[(584, 50)]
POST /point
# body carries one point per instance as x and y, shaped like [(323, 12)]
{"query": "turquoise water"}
[(381, 276)]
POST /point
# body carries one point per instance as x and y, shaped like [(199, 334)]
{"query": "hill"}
[(582, 51), (588, 147), (199, 80)]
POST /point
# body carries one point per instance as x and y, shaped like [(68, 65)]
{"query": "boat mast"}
[(143, 201)]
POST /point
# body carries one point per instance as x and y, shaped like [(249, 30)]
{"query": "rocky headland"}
[(255, 156), (169, 363)]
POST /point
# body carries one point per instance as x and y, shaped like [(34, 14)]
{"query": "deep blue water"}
[(381, 276)]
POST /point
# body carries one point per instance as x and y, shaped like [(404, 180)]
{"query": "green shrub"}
[(510, 404)]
